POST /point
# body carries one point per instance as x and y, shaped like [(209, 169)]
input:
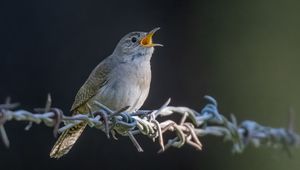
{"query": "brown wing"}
[(96, 80)]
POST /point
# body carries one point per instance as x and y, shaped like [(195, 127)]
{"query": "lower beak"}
[(147, 40)]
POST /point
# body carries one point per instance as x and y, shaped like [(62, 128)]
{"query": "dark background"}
[(244, 53)]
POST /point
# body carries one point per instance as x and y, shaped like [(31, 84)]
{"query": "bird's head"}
[(136, 44)]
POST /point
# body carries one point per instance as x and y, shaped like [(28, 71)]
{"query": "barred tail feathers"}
[(66, 140)]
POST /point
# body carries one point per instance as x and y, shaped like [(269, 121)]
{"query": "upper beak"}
[(147, 40)]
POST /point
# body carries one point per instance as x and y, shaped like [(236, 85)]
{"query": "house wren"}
[(121, 80)]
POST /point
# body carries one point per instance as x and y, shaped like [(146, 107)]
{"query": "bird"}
[(120, 80)]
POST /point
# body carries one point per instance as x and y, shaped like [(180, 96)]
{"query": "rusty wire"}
[(189, 130)]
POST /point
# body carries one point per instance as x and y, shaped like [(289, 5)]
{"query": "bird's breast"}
[(127, 85)]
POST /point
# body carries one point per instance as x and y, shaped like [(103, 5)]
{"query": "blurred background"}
[(243, 53)]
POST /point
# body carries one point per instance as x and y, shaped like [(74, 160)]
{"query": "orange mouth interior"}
[(147, 40)]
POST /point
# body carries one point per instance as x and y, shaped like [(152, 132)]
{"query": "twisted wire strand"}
[(189, 130)]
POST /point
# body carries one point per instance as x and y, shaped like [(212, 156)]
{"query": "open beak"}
[(147, 40)]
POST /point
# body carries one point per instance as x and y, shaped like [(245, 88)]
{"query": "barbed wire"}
[(189, 130)]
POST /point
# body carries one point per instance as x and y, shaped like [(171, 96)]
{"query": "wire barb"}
[(192, 126)]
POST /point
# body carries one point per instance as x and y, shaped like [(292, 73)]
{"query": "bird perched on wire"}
[(120, 80)]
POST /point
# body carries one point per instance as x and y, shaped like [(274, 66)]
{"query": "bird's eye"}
[(133, 39)]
